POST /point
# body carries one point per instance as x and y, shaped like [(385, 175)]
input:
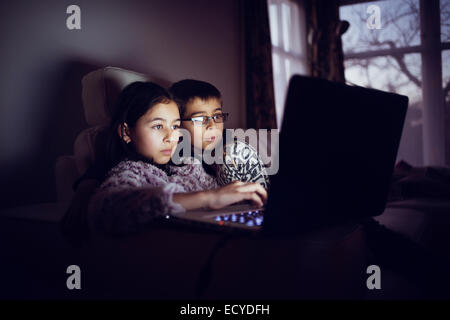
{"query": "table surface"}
[(165, 262)]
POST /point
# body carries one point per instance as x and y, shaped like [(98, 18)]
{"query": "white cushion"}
[(100, 90), (409, 222)]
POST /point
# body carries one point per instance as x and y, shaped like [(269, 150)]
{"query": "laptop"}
[(337, 151)]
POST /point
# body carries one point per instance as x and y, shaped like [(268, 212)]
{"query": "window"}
[(288, 34), (391, 58)]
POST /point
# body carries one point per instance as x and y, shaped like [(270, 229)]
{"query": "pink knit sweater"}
[(136, 192)]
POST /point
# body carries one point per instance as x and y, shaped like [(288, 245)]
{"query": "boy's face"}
[(203, 136)]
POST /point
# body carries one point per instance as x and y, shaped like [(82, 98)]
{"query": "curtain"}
[(260, 98), (326, 58)]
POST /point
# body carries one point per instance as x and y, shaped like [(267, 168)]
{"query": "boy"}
[(200, 105)]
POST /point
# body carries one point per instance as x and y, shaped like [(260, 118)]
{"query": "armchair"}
[(100, 89)]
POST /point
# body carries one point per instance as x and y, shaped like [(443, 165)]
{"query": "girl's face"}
[(203, 136), (156, 133)]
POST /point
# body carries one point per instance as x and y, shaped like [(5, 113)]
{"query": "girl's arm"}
[(129, 199), (205, 191), (128, 209), (133, 195), (234, 192)]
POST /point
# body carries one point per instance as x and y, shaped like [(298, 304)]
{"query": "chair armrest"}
[(45, 212), (75, 223), (66, 173)]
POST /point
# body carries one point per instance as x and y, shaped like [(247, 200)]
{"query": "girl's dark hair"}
[(133, 102)]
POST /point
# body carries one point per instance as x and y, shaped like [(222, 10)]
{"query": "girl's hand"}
[(235, 192)]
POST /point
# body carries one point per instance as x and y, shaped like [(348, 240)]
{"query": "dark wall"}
[(42, 63)]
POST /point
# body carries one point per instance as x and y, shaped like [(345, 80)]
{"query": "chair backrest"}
[(100, 90)]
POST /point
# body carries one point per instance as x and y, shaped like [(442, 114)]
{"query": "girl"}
[(142, 183)]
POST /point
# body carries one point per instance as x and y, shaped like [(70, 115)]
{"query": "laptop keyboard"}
[(250, 218)]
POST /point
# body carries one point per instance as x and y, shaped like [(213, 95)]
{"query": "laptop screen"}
[(336, 155)]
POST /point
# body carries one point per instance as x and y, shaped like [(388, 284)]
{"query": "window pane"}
[(279, 84), (286, 19), (399, 25), (273, 21), (446, 86), (446, 73), (445, 20), (287, 68), (288, 33), (400, 75), (286, 26)]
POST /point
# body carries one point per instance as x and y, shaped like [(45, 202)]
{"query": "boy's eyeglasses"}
[(204, 120)]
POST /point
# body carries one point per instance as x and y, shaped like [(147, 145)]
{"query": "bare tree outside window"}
[(389, 59), (400, 26)]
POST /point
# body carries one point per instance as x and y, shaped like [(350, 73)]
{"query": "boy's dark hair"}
[(185, 90)]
